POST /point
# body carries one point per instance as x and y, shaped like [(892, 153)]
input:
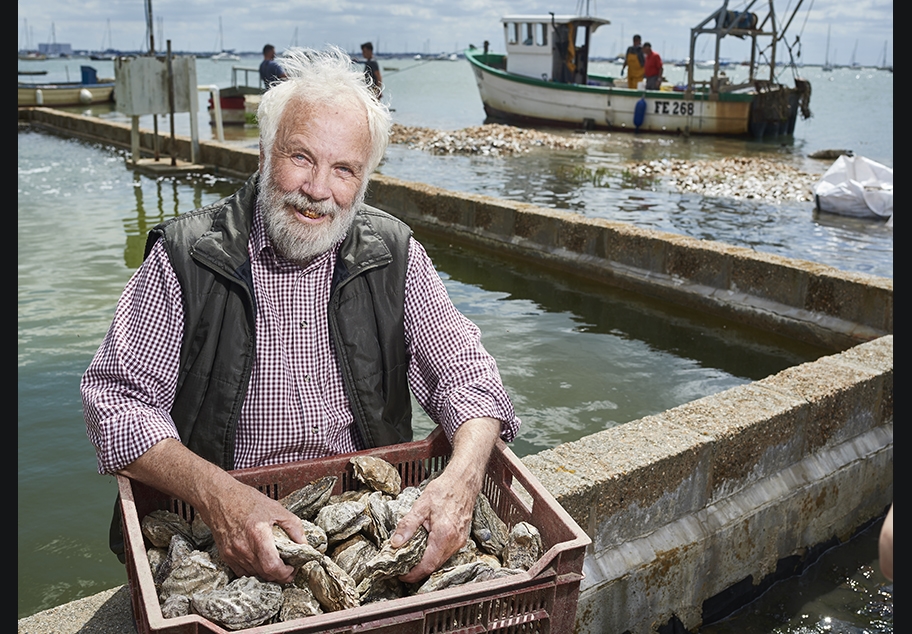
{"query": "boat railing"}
[(236, 70)]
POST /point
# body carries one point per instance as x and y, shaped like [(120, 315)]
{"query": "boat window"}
[(512, 32), (543, 35), (530, 34)]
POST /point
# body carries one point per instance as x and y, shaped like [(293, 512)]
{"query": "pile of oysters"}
[(346, 561)]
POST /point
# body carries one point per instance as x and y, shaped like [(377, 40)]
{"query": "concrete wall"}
[(713, 495), (701, 504), (807, 301)]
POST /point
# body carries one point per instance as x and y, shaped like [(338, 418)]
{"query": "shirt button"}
[(314, 428), (303, 324)]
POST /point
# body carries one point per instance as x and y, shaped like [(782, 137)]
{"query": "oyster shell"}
[(352, 556), (402, 504), (332, 586), (298, 603), (382, 590), (488, 530), (341, 521), (291, 552), (378, 474), (392, 562), (193, 574), (467, 554), (523, 548), (179, 550), (160, 526), (202, 535), (307, 501), (176, 605), (245, 602), (457, 575), (381, 518)]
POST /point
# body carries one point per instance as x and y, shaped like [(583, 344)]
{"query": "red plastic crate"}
[(540, 601)]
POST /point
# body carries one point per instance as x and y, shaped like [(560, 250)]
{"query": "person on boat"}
[(372, 68), (288, 322), (270, 70), (634, 61), (652, 69)]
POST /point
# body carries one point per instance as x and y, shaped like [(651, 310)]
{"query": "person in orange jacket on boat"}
[(634, 60), (653, 68)]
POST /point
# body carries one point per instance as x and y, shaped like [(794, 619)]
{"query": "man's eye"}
[(300, 159)]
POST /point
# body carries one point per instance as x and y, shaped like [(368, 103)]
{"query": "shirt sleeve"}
[(451, 374), (129, 388)]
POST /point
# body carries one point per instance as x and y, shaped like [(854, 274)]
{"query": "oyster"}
[(245, 602), (524, 547), (402, 504), (291, 552), (307, 501), (193, 574), (381, 590), (458, 575), (298, 603), (392, 562), (160, 526), (202, 535), (332, 586), (378, 474), (341, 521), (179, 550), (381, 518), (467, 554), (176, 605), (488, 530), (352, 556)]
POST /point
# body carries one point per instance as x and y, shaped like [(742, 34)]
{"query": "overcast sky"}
[(435, 25)]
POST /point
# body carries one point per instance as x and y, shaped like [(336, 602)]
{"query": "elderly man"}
[(287, 322)]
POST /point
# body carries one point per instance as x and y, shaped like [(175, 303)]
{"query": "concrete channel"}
[(694, 510)]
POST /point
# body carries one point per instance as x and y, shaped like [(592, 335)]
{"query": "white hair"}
[(323, 77)]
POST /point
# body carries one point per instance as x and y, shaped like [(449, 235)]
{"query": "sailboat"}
[(223, 55), (827, 66)]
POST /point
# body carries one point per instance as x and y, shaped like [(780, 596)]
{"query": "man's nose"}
[(317, 186)]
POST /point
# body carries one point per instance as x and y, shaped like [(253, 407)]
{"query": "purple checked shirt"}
[(295, 407)]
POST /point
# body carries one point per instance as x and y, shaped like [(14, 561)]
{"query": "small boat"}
[(544, 79), (86, 92)]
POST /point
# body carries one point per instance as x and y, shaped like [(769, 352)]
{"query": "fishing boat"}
[(544, 79), (81, 93)]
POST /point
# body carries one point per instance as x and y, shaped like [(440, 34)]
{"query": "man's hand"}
[(445, 507), (240, 517)]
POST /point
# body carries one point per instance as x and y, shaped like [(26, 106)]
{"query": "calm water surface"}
[(575, 358)]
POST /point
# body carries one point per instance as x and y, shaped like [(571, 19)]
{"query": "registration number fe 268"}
[(674, 107)]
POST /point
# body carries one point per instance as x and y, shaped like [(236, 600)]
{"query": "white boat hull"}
[(523, 99), (64, 95)]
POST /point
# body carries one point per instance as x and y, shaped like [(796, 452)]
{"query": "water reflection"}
[(578, 357)]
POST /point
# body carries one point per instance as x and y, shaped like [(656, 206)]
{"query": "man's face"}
[(314, 176), (647, 49), (366, 53)]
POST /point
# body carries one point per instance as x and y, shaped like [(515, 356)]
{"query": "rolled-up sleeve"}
[(128, 389), (451, 374)]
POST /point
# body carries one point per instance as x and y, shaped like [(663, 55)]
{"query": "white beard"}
[(296, 240)]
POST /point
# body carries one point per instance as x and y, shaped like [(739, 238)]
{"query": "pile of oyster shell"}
[(346, 561)]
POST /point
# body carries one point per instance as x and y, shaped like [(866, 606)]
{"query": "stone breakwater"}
[(489, 139), (733, 177)]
